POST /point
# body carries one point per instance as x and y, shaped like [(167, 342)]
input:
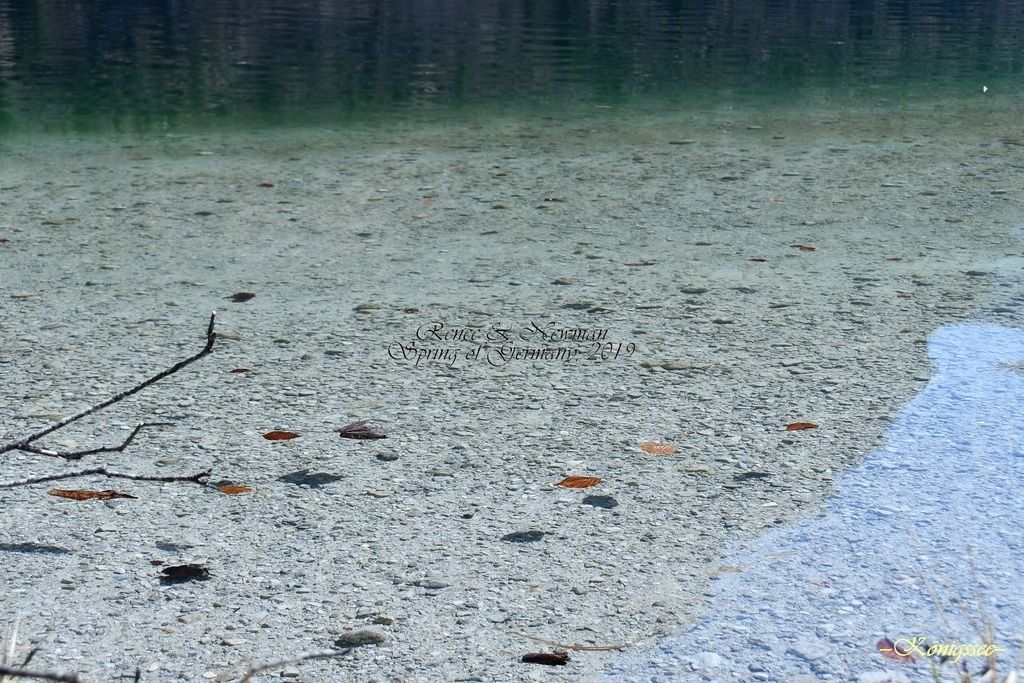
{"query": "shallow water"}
[(658, 214), (651, 168), (925, 539)]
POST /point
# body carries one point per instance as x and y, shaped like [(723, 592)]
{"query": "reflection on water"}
[(141, 65), (892, 554)]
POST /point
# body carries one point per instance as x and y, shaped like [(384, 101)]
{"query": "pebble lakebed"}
[(449, 539)]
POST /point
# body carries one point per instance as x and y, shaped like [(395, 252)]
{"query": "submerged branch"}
[(23, 444), (102, 469)]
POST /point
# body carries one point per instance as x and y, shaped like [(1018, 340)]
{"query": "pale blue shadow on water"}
[(893, 549)]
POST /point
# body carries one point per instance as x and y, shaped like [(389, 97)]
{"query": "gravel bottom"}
[(922, 545), (450, 539)]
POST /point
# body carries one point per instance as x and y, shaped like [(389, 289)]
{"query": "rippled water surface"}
[(131, 65)]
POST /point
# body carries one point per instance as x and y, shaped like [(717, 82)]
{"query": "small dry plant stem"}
[(303, 657), (981, 624)]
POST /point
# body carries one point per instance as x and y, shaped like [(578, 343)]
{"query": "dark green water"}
[(144, 65)]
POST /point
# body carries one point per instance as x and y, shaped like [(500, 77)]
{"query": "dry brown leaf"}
[(548, 658), (233, 489), (579, 482), (361, 430), (803, 247), (279, 436), (81, 494), (758, 260), (658, 448), (797, 426), (238, 370), (890, 651)]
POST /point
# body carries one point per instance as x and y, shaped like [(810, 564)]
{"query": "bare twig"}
[(577, 646), (63, 676), (12, 642), (102, 469), (322, 654), (78, 455), (211, 336)]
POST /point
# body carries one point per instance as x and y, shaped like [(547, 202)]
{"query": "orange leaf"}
[(658, 448), (80, 494), (579, 482), (797, 426), (890, 651), (279, 436), (233, 489)]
